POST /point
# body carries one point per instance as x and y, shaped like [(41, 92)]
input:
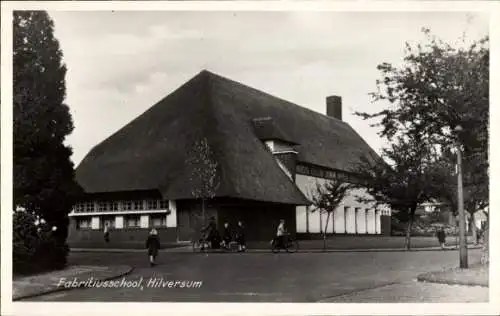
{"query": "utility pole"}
[(461, 213)]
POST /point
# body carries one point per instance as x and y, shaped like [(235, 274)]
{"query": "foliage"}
[(326, 198), (438, 88), (43, 172), (204, 180), (401, 179), (35, 247), (204, 170)]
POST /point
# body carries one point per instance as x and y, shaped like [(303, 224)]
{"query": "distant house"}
[(269, 152)]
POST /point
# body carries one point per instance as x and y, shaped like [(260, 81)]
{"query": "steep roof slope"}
[(151, 151)]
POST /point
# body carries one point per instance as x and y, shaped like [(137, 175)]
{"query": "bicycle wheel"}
[(275, 247), (292, 246)]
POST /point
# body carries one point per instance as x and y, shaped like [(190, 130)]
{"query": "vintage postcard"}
[(263, 157)]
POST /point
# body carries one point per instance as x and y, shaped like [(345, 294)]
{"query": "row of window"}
[(129, 221), (327, 174), (104, 206)]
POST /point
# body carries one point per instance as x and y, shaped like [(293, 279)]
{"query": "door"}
[(183, 225)]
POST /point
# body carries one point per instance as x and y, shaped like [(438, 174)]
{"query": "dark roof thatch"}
[(266, 129), (150, 152)]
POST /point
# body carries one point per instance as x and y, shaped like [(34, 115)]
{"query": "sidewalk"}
[(415, 292), (55, 281), (188, 249)]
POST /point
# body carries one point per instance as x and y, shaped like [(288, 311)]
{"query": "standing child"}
[(153, 245), (226, 235), (441, 236), (240, 237), (106, 232)]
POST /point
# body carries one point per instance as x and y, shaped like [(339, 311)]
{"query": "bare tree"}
[(204, 181), (326, 198)]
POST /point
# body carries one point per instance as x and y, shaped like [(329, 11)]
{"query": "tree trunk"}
[(473, 228), (203, 212), (408, 231), (485, 256), (324, 232)]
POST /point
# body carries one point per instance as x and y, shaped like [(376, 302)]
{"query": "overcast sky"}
[(121, 63)]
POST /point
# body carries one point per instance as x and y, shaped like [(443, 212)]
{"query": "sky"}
[(121, 63)]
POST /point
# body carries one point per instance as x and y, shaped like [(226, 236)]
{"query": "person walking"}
[(153, 245), (227, 236), (441, 236), (240, 237), (106, 232)]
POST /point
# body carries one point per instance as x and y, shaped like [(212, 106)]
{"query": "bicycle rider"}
[(281, 234)]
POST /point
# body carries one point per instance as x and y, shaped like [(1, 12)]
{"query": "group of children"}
[(212, 236)]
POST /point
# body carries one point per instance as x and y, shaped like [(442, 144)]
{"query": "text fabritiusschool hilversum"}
[(140, 283)]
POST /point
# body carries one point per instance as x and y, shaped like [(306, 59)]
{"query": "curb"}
[(61, 289), (183, 249), (430, 277), (425, 278)]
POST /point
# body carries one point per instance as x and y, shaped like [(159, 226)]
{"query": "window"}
[(103, 206), (83, 223), (113, 206), (79, 208), (127, 205), (152, 204), (138, 205), (330, 174), (164, 204), (316, 172), (158, 220), (89, 206), (302, 169), (133, 221), (110, 220)]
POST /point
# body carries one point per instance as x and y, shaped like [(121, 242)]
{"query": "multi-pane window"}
[(133, 221), (127, 205), (152, 204), (89, 206), (113, 206), (103, 206), (83, 223), (158, 220), (138, 205), (164, 204), (330, 174), (302, 169), (79, 208)]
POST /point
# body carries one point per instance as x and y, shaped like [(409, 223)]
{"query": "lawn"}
[(476, 274)]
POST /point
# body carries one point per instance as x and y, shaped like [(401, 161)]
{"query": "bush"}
[(34, 247)]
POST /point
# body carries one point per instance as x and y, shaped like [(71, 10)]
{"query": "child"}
[(240, 237), (441, 237), (152, 244), (226, 235), (106, 232)]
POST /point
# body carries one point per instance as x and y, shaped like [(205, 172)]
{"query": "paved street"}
[(267, 277)]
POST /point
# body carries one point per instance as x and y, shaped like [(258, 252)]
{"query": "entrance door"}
[(183, 225)]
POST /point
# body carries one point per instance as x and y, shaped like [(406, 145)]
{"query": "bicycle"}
[(291, 244)]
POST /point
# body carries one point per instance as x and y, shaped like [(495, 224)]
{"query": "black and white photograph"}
[(240, 155)]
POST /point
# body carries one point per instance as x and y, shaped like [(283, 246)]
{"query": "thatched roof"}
[(150, 152)]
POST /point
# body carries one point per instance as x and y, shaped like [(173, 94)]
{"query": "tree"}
[(43, 172), (326, 198), (438, 88), (399, 180), (204, 180), (445, 185)]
